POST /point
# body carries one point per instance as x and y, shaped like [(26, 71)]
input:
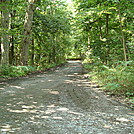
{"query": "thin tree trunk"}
[(11, 49), (26, 41), (107, 20), (5, 36), (53, 48), (122, 33), (32, 54), (106, 33), (100, 29), (0, 36)]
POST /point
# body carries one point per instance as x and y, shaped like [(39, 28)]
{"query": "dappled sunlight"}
[(75, 63), (22, 111), (45, 117), (75, 113), (87, 82), (46, 89), (54, 108), (29, 96), (50, 91), (57, 118), (68, 81), (21, 102), (28, 107), (75, 73), (122, 119), (63, 109), (70, 75), (116, 108), (54, 92), (8, 128), (50, 111), (13, 94), (51, 80), (9, 104), (51, 106), (18, 87), (34, 102)]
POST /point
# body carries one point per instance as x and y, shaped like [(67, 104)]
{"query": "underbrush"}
[(46, 66), (118, 80), (15, 71), (18, 71)]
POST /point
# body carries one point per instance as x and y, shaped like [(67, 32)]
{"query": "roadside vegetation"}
[(116, 81), (18, 71), (15, 71)]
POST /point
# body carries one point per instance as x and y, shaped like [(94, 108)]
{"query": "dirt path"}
[(60, 102)]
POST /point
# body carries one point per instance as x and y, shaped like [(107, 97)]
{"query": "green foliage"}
[(118, 80), (51, 31), (102, 29), (15, 71), (46, 66)]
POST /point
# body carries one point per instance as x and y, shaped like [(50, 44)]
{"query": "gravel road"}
[(61, 101)]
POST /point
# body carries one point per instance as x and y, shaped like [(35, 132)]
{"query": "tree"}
[(51, 31), (5, 34), (26, 40), (38, 36), (108, 25)]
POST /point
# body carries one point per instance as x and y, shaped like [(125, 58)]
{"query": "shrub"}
[(15, 71), (117, 80)]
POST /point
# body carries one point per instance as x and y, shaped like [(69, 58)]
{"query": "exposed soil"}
[(61, 101)]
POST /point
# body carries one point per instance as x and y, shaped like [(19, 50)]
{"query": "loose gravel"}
[(61, 101)]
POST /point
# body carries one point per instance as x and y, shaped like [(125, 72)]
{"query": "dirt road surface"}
[(61, 101)]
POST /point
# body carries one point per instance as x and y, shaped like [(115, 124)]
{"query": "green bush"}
[(15, 71), (117, 80)]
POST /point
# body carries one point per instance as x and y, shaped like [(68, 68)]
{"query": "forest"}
[(40, 34)]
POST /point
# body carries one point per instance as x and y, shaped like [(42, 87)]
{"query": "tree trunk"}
[(122, 33), (5, 36), (32, 54), (11, 49), (27, 39), (107, 19), (100, 30), (106, 34)]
